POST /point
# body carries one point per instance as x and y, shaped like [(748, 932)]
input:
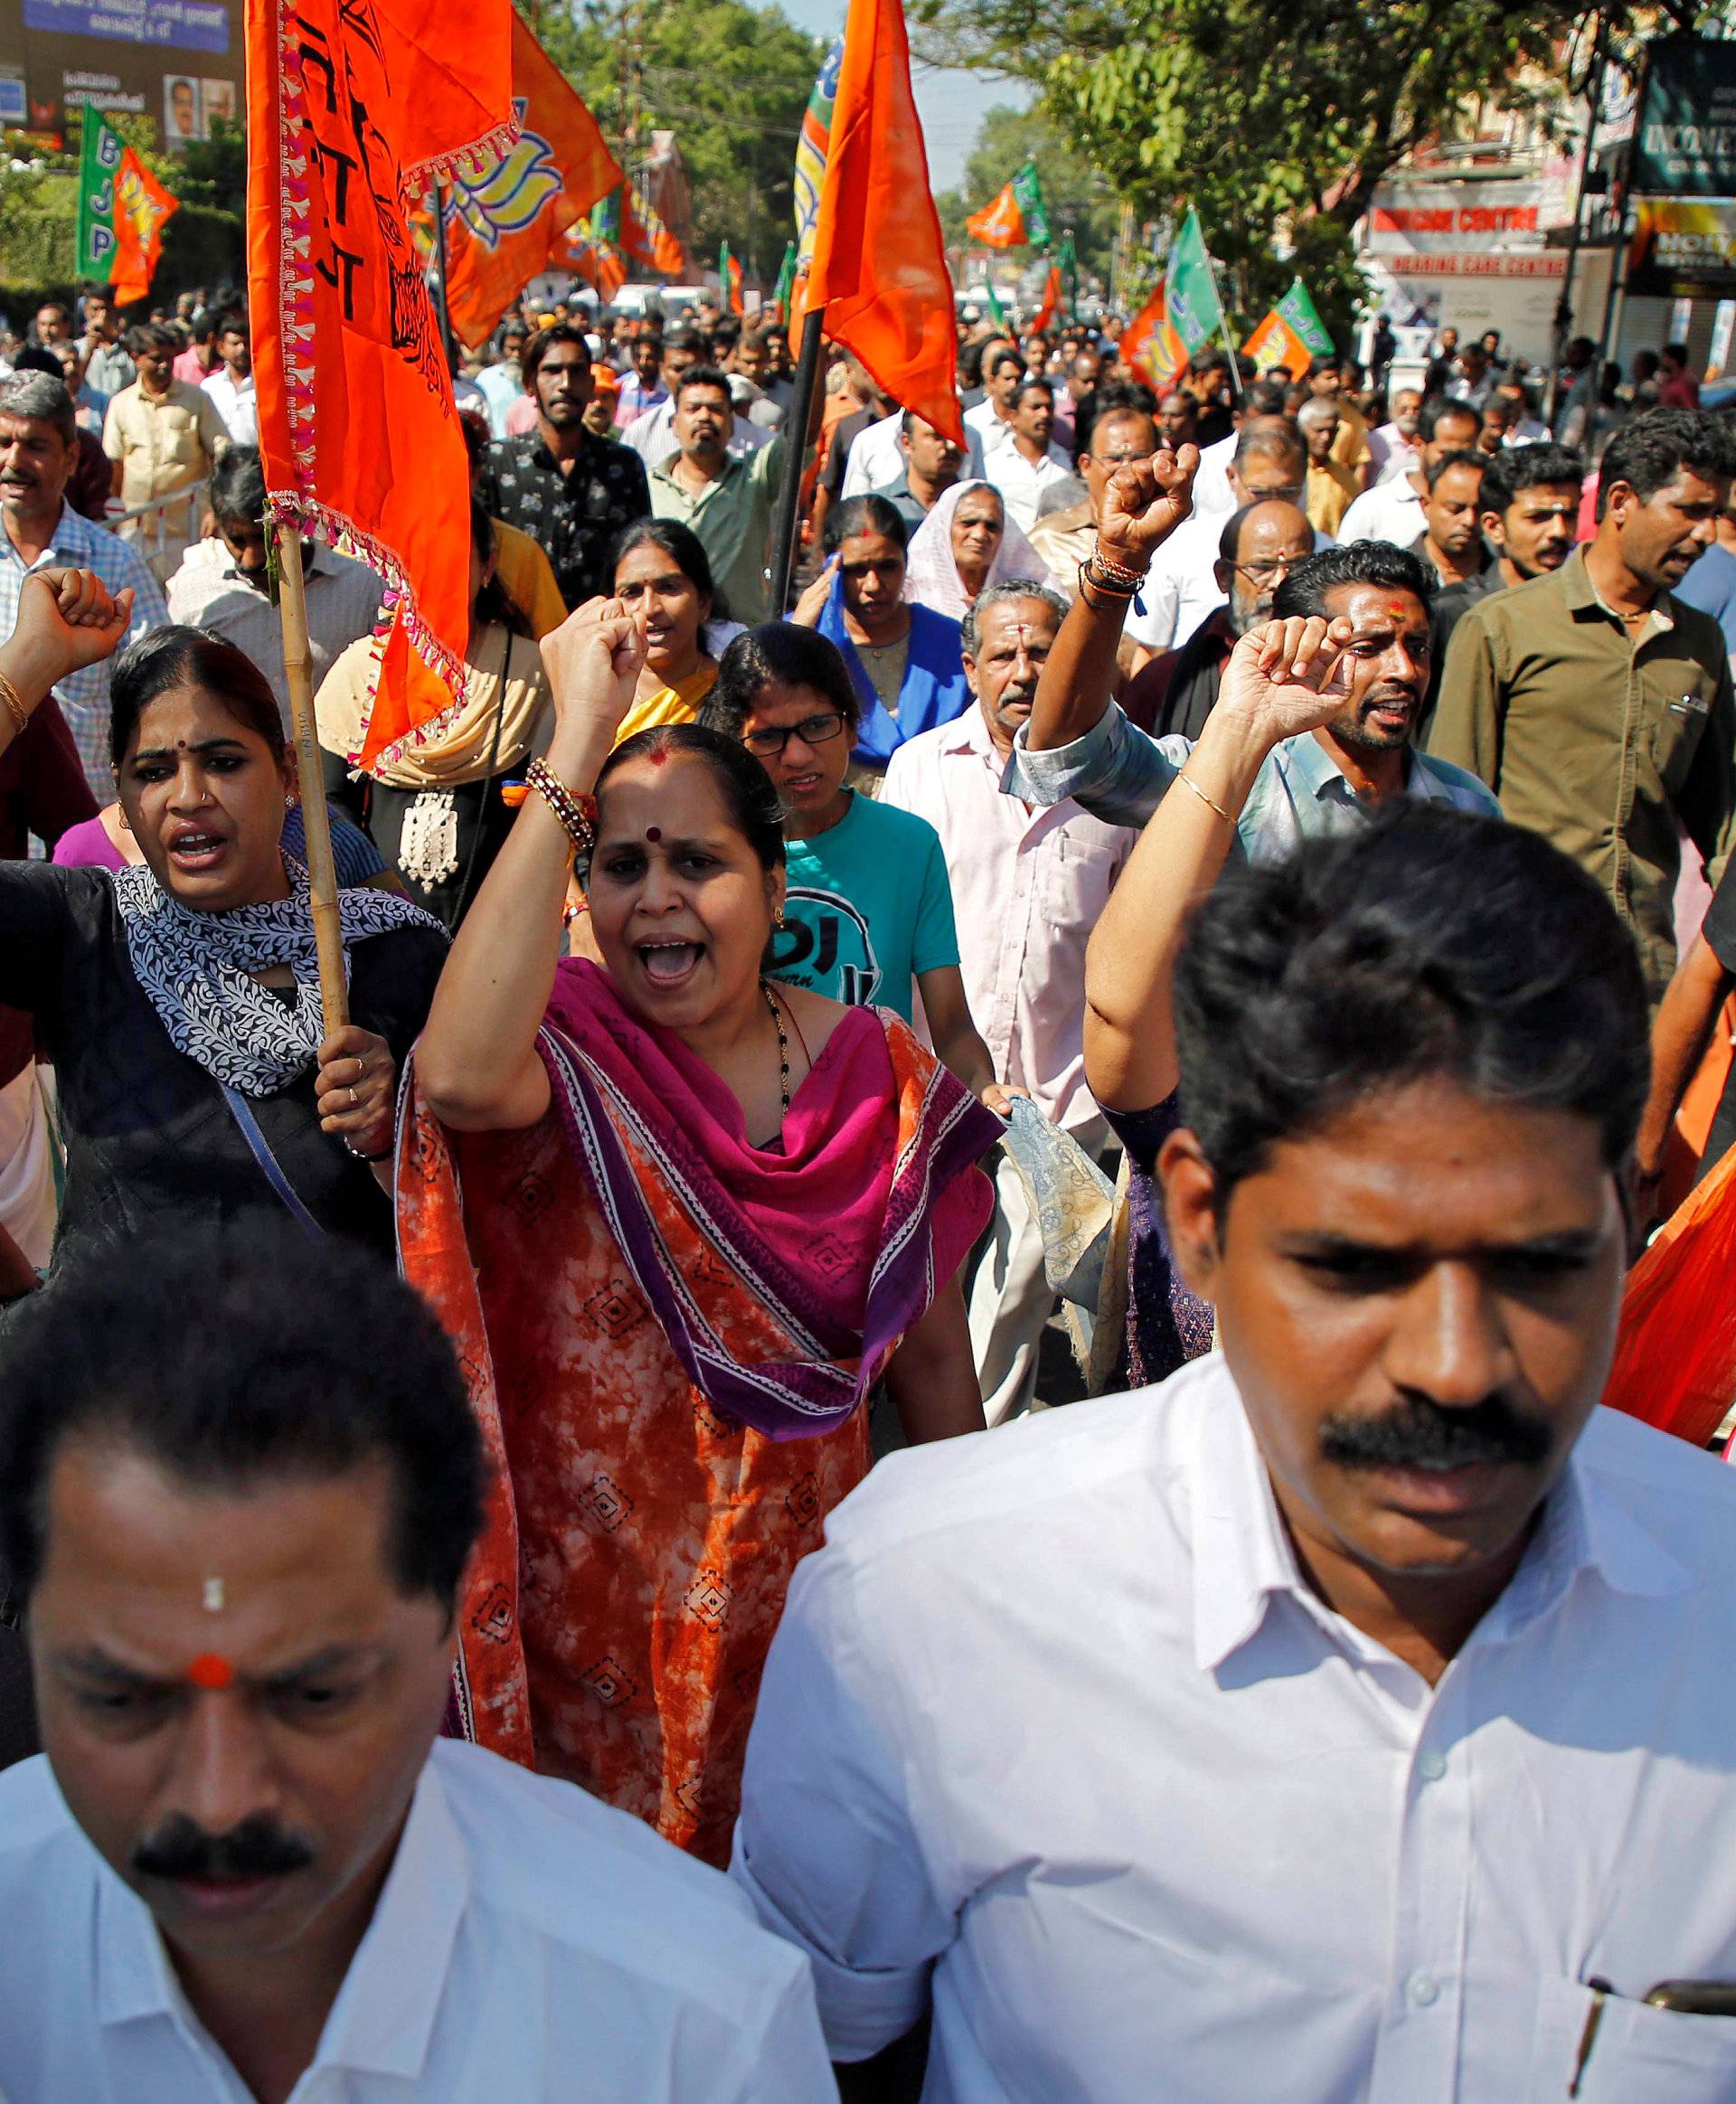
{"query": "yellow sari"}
[(676, 704)]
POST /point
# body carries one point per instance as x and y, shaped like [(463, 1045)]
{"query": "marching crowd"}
[(1240, 868)]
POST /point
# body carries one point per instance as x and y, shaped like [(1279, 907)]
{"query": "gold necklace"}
[(783, 1044)]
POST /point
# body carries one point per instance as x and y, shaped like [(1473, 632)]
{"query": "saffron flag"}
[(729, 277), (1000, 224), (1051, 296), (1275, 343), (1195, 312), (1151, 343), (645, 238), (142, 205), (880, 265), (353, 105), (812, 144), (592, 257), (505, 221), (1302, 318)]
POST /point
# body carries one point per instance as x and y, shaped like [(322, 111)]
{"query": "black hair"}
[(745, 786), (777, 650), (867, 513), (306, 1360), (233, 322), (1517, 468), (680, 544), (1033, 383), (1650, 451), (1115, 398), (151, 336), (1364, 963), (542, 341), (1304, 590), (236, 489), (496, 606), (1265, 398), (1460, 457), (703, 376), (175, 656), (1435, 407), (684, 339)]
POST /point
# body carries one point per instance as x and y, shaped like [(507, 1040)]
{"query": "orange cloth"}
[(1152, 344), (350, 113), (505, 223), (141, 206), (1000, 224), (879, 264), (1276, 343)]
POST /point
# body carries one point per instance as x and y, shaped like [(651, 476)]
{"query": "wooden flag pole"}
[(796, 428), (317, 825)]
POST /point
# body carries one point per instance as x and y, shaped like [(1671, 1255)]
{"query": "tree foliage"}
[(1076, 193), (1266, 117), (729, 80)]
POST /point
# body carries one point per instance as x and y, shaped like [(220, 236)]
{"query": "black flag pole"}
[(790, 498)]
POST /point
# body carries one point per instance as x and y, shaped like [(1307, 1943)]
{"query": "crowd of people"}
[(539, 1539)]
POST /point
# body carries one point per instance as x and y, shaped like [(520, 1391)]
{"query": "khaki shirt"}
[(1597, 742), (733, 516), (163, 442)]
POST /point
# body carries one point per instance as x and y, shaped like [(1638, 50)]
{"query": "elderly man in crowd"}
[(250, 1867)]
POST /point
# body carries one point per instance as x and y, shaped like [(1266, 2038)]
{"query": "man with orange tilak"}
[(247, 1871)]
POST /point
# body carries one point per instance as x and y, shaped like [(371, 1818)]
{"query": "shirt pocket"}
[(1639, 2055), (180, 435), (1675, 737)]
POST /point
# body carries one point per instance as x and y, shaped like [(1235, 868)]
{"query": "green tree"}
[(1075, 192), (1275, 121), (729, 80)]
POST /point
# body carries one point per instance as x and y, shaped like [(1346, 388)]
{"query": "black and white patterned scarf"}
[(196, 971)]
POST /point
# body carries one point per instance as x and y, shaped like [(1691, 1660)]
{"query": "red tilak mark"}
[(1397, 610), (658, 757), (212, 1672), (653, 834)]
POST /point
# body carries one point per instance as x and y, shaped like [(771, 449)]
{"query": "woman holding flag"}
[(179, 999), (679, 1221)]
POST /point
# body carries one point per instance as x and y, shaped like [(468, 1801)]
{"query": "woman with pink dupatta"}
[(679, 1220)]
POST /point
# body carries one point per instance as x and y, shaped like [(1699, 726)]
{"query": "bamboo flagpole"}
[(316, 819)]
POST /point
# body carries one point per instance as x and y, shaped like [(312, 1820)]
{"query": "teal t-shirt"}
[(868, 906)]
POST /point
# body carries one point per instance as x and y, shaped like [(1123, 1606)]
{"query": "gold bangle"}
[(14, 705), (1211, 803)]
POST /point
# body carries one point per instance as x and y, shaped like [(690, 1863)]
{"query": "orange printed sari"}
[(668, 1337)]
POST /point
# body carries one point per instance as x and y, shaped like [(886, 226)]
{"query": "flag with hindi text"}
[(505, 221), (1195, 312), (353, 105)]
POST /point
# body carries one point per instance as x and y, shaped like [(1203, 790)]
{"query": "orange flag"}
[(1051, 296), (504, 223), (1276, 343), (998, 225), (142, 205), (645, 238), (880, 265), (598, 262), (1152, 344), (353, 105)]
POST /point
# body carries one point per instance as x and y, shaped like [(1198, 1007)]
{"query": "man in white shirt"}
[(1393, 447), (1332, 1723), (1004, 374), (877, 457), (1393, 510), (501, 381), (1031, 464), (1028, 885), (249, 1872), (231, 386)]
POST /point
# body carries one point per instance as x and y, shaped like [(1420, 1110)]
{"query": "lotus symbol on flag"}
[(508, 198)]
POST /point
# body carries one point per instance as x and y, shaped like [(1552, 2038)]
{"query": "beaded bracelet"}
[(577, 813), (14, 705), (1090, 583), (1108, 572)]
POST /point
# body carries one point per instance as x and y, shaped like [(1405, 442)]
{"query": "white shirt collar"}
[(1242, 1555), (385, 2011)]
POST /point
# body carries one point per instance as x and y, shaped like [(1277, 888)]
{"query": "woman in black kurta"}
[(179, 1000)]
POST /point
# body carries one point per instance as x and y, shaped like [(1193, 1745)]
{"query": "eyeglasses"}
[(1289, 493), (1259, 574), (768, 743)]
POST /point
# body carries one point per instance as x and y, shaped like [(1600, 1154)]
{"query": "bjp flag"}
[(999, 224), (1052, 298), (645, 238), (353, 105), (1152, 345), (142, 205), (587, 256), (880, 265), (504, 222)]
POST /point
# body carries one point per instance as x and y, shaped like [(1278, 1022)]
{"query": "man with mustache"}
[(1331, 778), (1596, 704), (1330, 1722), (247, 1866), (1028, 885), (727, 500)]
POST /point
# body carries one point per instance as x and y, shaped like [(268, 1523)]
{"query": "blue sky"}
[(950, 104)]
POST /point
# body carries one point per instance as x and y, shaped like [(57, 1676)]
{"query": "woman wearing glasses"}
[(868, 907), (678, 1219)]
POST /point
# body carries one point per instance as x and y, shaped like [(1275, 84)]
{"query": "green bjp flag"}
[(1027, 190), (98, 165), (1300, 310), (1195, 312)]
